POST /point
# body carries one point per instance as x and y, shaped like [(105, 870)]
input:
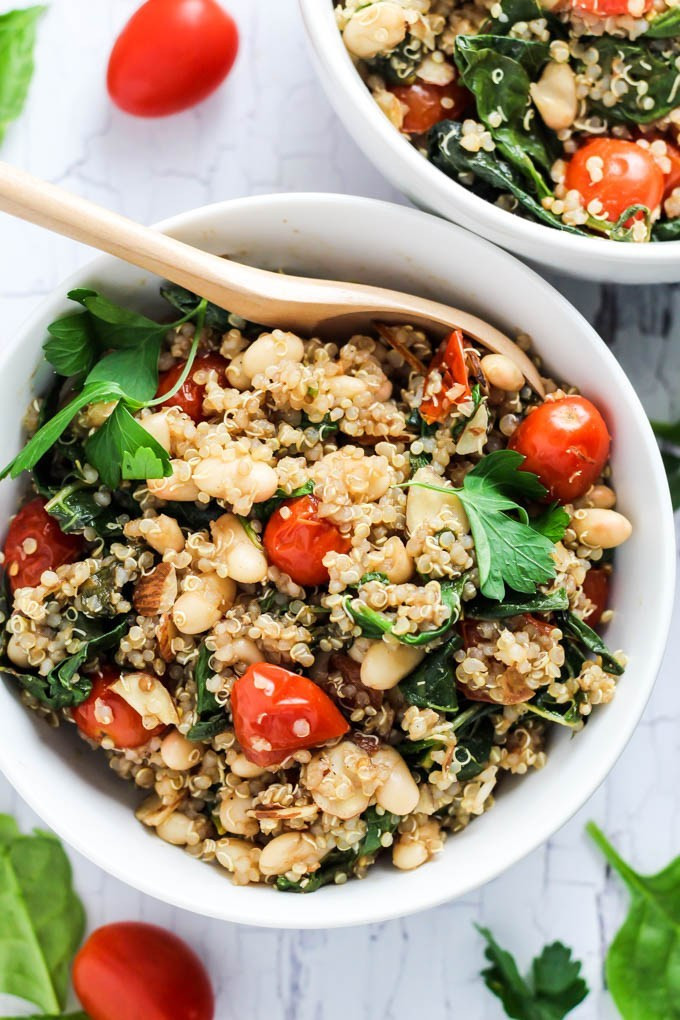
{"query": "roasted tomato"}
[(134, 971), (510, 685), (105, 714), (566, 443), (35, 543), (296, 540), (170, 56), (609, 8), (628, 175), (427, 104), (190, 394), (277, 712), (596, 587), (447, 370)]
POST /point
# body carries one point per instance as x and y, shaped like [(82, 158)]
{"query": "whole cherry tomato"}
[(427, 104), (125, 727), (35, 543), (277, 712), (447, 369), (135, 971), (566, 443), (596, 587), (296, 540), (630, 176), (190, 395), (609, 8)]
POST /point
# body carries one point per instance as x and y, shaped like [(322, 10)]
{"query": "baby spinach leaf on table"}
[(552, 990), (71, 349), (577, 631), (52, 1016), (210, 716), (667, 430), (643, 961), (17, 42), (642, 63), (486, 609), (41, 918), (121, 448), (432, 684)]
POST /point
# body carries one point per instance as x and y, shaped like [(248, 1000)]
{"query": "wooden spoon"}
[(307, 306)]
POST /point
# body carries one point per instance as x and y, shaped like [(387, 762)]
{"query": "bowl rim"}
[(436, 189), (435, 894)]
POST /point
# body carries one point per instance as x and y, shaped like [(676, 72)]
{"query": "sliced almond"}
[(156, 592), (147, 695), (166, 632), (153, 811), (280, 812)]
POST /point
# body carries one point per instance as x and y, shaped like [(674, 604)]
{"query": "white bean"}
[(423, 505), (279, 855), (236, 377), (331, 778), (16, 652), (178, 753), (375, 29), (270, 350), (408, 855), (232, 479), (199, 608), (555, 96), (384, 665), (179, 486), (162, 533), (234, 816), (400, 793), (246, 769), (501, 372), (598, 528), (157, 426), (245, 562), (398, 564), (180, 830), (600, 496), (346, 387)]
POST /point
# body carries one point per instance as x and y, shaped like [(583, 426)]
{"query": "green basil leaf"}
[(433, 683), (71, 348), (486, 609), (120, 435), (17, 42)]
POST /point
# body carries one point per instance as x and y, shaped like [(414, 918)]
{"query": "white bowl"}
[(430, 188), (71, 788)]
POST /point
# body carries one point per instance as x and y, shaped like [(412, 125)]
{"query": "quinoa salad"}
[(313, 600), (565, 112)]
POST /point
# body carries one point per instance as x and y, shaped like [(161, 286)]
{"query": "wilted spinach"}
[(579, 634), (263, 511), (642, 63), (374, 623), (215, 317), (399, 66), (432, 683), (471, 753), (210, 715), (562, 713), (486, 609)]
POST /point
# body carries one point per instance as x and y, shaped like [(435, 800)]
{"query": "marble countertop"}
[(271, 130)]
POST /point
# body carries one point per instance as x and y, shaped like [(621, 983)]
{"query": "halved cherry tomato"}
[(566, 443), (170, 56), (190, 395), (296, 540), (630, 176), (609, 8), (446, 370), (672, 178), (126, 726), (134, 971), (277, 712), (35, 543), (428, 104), (596, 587)]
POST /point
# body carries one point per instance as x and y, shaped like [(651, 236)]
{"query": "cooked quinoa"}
[(562, 111), (310, 518)]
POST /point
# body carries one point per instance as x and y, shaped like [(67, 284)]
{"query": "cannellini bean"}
[(601, 528), (398, 565), (500, 371), (400, 792), (331, 778), (245, 561), (384, 665), (246, 769), (16, 652), (238, 857), (600, 496), (234, 816), (236, 377), (423, 505), (178, 753), (375, 29), (201, 606), (270, 350), (245, 650), (346, 386), (225, 479), (291, 848), (147, 695), (179, 485), (162, 533), (180, 830), (408, 855), (158, 427), (555, 96)]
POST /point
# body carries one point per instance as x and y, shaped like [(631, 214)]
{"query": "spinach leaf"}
[(17, 42), (471, 753), (432, 683), (643, 962), (666, 230), (562, 713), (485, 609), (71, 348), (399, 66), (642, 64), (210, 716), (96, 593), (416, 421), (577, 632), (63, 686), (263, 511), (215, 317), (75, 508), (121, 448), (195, 516), (512, 11), (41, 918), (374, 624), (324, 428), (664, 26), (667, 430)]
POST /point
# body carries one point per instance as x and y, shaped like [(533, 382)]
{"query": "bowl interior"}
[(360, 240)]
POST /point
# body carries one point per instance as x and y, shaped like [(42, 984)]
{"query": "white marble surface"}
[(271, 129)]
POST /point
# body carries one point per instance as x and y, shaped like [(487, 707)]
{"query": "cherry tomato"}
[(190, 395), (566, 443), (428, 104), (630, 176), (170, 56), (296, 540), (34, 543), (126, 728), (596, 587), (135, 971), (609, 8), (277, 712), (510, 685), (446, 369)]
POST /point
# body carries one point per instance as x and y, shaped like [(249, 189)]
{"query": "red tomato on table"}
[(446, 369), (190, 395), (277, 712), (125, 728), (170, 56), (35, 543), (134, 971), (630, 176), (596, 587), (428, 104), (566, 443), (296, 540)]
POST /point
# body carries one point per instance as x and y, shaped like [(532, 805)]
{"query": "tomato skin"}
[(607, 8), (170, 55), (672, 178), (596, 587), (298, 543), (424, 104), (126, 728), (566, 443), (269, 703), (190, 395), (449, 364), (134, 971), (54, 548), (630, 176)]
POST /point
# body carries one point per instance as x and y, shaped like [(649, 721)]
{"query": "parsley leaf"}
[(134, 369), (121, 448), (552, 523), (553, 990), (71, 348)]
